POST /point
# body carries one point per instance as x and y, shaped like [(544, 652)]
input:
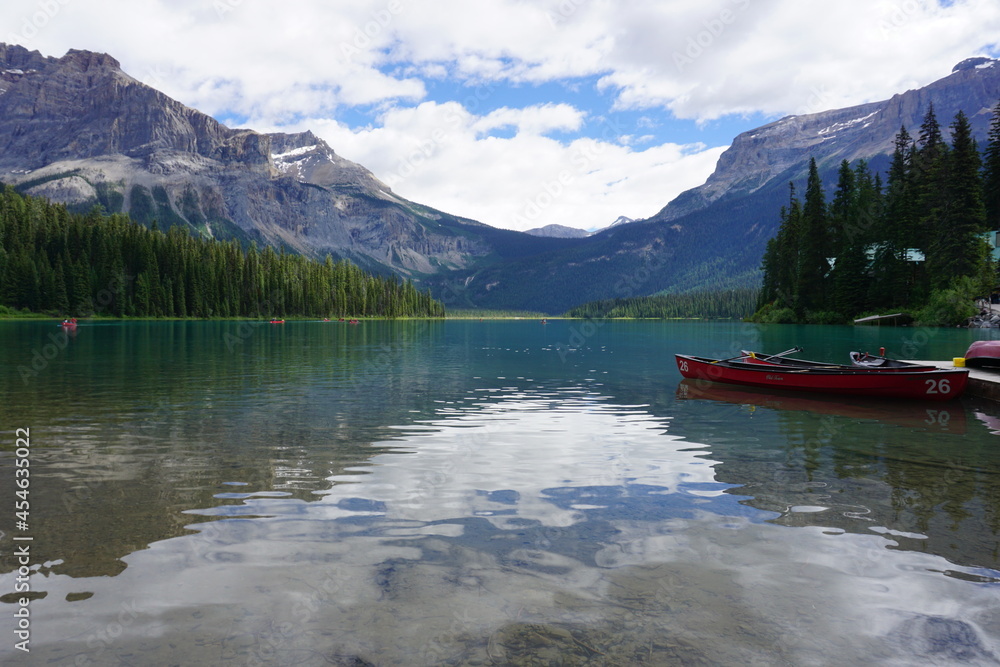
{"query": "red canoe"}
[(935, 385), (983, 354)]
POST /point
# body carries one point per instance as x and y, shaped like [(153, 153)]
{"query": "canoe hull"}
[(983, 354), (935, 385)]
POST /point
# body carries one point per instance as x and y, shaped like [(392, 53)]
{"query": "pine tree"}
[(991, 173), (780, 262), (929, 172), (854, 207), (894, 229), (957, 249), (856, 279), (60, 298), (814, 247), (843, 225), (769, 269)]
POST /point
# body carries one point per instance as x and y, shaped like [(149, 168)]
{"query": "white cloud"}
[(698, 59), (278, 64), (743, 56), (437, 155), (533, 120)]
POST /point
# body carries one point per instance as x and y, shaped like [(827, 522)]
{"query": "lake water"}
[(476, 493)]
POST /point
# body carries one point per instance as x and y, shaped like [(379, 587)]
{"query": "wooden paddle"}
[(770, 356)]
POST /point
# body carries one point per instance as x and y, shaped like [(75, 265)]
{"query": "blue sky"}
[(520, 113), (646, 125)]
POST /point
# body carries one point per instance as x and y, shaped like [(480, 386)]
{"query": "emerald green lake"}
[(477, 493)]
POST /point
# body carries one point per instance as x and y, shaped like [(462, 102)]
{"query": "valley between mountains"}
[(79, 130)]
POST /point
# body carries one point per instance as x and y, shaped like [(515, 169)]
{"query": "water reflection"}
[(525, 525), (900, 469), (935, 417), (480, 493)]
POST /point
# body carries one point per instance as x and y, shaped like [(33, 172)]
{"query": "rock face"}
[(79, 130), (862, 131), (83, 106), (559, 231)]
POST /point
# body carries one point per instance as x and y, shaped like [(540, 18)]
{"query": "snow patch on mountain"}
[(837, 127), (295, 152), (289, 160)]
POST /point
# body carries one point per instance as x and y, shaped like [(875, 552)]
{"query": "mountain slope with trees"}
[(713, 236), (916, 243), (723, 304), (55, 261), (79, 130)]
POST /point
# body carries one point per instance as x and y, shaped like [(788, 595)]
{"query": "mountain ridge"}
[(562, 231), (559, 231), (857, 132), (714, 235), (80, 131)]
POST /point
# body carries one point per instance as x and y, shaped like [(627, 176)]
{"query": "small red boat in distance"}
[(931, 385), (69, 323), (277, 321)]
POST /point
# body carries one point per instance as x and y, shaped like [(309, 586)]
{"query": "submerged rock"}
[(936, 638)]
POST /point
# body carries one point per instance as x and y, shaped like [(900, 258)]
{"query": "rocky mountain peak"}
[(863, 131), (282, 142), (80, 131), (308, 159), (977, 62), (84, 61), (83, 106), (13, 56), (558, 232)]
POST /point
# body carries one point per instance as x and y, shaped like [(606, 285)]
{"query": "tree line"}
[(719, 304), (55, 261), (916, 241)]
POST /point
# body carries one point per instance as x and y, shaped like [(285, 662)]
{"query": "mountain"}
[(860, 132), (621, 220), (80, 131), (558, 231), (563, 232), (713, 236)]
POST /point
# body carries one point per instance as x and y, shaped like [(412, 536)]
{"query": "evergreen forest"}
[(721, 304), (58, 262), (916, 242)]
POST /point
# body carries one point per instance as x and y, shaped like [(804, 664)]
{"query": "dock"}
[(983, 383)]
